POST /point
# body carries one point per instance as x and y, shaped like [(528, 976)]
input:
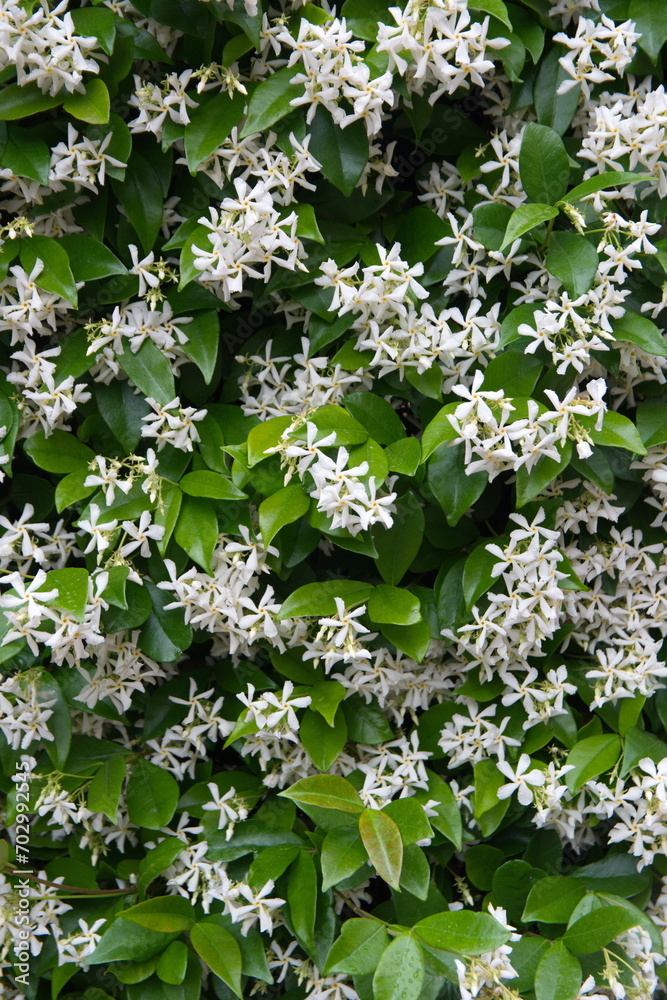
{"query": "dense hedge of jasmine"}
[(333, 440)]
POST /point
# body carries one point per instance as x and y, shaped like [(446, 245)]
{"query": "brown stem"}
[(74, 888)]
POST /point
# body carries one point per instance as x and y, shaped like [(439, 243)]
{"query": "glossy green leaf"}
[(270, 101), (382, 839), (151, 795), (400, 972), (327, 791), (358, 949), (219, 950), (543, 164), (91, 105), (558, 976), (54, 274), (524, 218), (573, 260), (281, 508)]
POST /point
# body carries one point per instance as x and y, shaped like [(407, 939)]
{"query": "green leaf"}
[(56, 275), (398, 546), (393, 605), (334, 418), (382, 840), (270, 101), (558, 975), (343, 854), (509, 328), (494, 7), (377, 415), (404, 456), (210, 124), (59, 724), (590, 757), (554, 109), (439, 430), (447, 819), (123, 941), (210, 484), (641, 919), (526, 217), (164, 635), (21, 101), (198, 237), (617, 432), (115, 590), (359, 948), (250, 24), (157, 860), (150, 371), (596, 929), (60, 452), (452, 487), (573, 260), (416, 872), (281, 508), (92, 105), (271, 863), (122, 409), (26, 155), (203, 342), (651, 22), (482, 862), (264, 436), (343, 153), (421, 229), (641, 331), (141, 196), (603, 182), (596, 469), (162, 913), (323, 742), (410, 818), (99, 22), (616, 873), (363, 17), (197, 530), (317, 600), (104, 790), (529, 484), (366, 723), (514, 373), (490, 224), (400, 971), (552, 899), (302, 899), (544, 165), (172, 964), (307, 227), (488, 809), (151, 795), (413, 640), (327, 791), (325, 699), (651, 424), (89, 259), (72, 586), (218, 949), (462, 931), (638, 744)]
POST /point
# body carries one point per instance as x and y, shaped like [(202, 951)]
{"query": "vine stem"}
[(76, 890)]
